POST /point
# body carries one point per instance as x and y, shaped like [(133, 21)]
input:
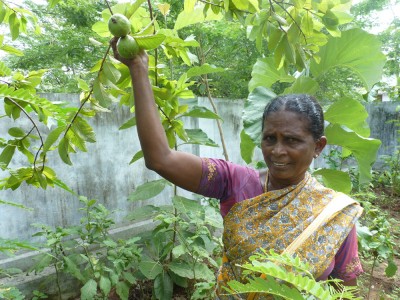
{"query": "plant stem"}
[(58, 281), (371, 275), (214, 107)]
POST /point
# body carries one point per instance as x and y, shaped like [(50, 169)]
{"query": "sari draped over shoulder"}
[(274, 219)]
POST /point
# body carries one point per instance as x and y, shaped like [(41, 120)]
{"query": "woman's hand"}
[(140, 61)]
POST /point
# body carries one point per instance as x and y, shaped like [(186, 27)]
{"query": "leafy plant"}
[(375, 236), (286, 277), (89, 254), (181, 249)]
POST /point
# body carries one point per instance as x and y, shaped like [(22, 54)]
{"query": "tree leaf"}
[(199, 137), (6, 156), (149, 42), (105, 99), (53, 137), (253, 111), (122, 289), (128, 124), (143, 213), (105, 285), (111, 72), (181, 268), (203, 69), (15, 205), (391, 269), (303, 85), (63, 148), (150, 268), (4, 70), (187, 206), (350, 113), (201, 112), (148, 190), (163, 286), (203, 272), (186, 18), (16, 132), (14, 25), (337, 180), (73, 269), (363, 149), (266, 74), (89, 290), (136, 157), (355, 49), (247, 147)]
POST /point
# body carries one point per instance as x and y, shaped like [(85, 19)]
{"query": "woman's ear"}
[(320, 144)]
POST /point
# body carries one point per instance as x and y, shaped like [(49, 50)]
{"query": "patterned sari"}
[(274, 219)]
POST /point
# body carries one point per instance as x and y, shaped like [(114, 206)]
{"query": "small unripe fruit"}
[(127, 47), (119, 25)]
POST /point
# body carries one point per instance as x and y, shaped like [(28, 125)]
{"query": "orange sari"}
[(274, 219)]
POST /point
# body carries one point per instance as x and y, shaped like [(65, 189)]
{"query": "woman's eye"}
[(269, 139), (292, 140)]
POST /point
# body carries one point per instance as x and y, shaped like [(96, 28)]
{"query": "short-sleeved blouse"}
[(232, 183)]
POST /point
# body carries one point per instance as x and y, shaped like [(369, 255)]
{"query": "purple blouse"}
[(232, 183)]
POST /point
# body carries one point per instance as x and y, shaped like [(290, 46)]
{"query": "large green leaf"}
[(363, 149), (143, 213), (187, 206), (303, 85), (105, 99), (335, 179), (163, 286), (182, 268), (89, 290), (186, 18), (203, 69), (150, 268), (199, 137), (149, 42), (4, 70), (201, 112), (203, 272), (266, 74), (148, 190), (6, 156), (351, 113), (122, 289), (128, 124), (355, 49), (253, 111), (247, 146)]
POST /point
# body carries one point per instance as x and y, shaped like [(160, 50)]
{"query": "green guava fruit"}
[(127, 47), (119, 25)]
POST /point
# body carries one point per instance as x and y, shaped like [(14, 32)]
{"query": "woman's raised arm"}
[(180, 168)]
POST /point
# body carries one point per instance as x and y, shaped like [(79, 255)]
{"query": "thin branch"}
[(205, 79), (34, 125), (290, 16), (211, 3), (109, 7), (272, 8)]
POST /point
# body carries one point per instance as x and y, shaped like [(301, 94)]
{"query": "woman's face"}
[(288, 148)]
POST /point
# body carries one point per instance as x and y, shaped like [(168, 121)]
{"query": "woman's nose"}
[(278, 149)]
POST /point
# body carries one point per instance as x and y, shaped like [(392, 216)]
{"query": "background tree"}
[(64, 48)]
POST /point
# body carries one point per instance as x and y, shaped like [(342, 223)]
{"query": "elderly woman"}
[(268, 209)]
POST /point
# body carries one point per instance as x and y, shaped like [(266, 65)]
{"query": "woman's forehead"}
[(288, 121)]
